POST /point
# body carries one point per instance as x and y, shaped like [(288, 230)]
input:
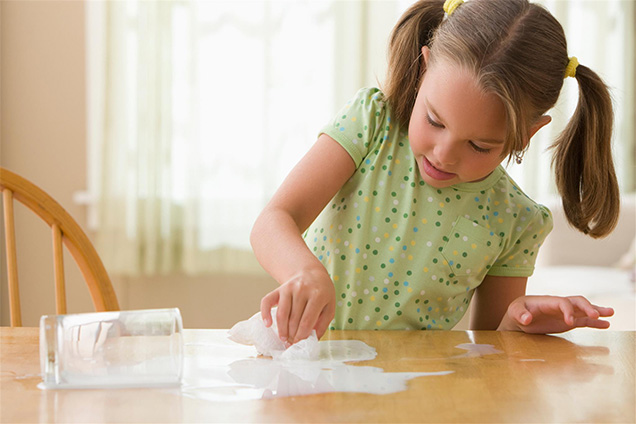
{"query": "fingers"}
[(579, 312), (605, 312), (592, 313), (286, 318), (284, 301), (297, 314), (283, 315), (590, 322), (602, 311), (314, 317), (549, 314), (585, 306), (267, 303), (565, 305), (323, 320), (520, 313), (297, 318)]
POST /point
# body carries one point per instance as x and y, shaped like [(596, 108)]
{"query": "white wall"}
[(42, 136)]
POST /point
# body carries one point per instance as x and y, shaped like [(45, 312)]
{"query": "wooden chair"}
[(65, 232)]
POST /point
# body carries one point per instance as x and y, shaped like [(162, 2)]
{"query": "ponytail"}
[(414, 30), (583, 160)]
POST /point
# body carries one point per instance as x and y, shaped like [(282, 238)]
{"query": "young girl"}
[(401, 212)]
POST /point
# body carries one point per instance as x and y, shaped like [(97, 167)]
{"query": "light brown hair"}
[(517, 51)]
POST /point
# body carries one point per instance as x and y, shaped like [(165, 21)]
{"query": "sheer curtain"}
[(198, 109)]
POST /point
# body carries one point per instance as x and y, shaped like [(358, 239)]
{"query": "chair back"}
[(65, 232)]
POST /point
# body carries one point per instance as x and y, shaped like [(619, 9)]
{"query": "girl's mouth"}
[(435, 173)]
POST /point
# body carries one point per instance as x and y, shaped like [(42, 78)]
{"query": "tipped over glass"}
[(119, 349)]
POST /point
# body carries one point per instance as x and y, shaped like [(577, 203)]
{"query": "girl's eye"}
[(478, 149), (472, 144), (433, 123)]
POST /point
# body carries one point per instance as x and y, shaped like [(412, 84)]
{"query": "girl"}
[(401, 213)]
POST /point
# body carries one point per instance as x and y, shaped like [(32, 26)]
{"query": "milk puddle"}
[(212, 372)]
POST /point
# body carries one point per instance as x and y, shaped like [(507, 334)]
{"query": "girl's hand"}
[(551, 314), (305, 302)]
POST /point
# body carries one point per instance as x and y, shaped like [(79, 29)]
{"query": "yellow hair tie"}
[(570, 71), (451, 5)]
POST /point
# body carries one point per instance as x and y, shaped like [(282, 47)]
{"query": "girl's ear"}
[(540, 123), (425, 53)]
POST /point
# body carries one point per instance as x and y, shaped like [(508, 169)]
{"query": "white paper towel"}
[(253, 332)]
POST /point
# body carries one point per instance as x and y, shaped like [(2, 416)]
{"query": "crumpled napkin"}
[(253, 332)]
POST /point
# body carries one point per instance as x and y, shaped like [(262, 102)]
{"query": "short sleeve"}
[(357, 124), (518, 259)]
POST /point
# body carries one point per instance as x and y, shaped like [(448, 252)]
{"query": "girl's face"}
[(456, 130)]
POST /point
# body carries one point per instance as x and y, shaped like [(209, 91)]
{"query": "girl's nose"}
[(446, 152)]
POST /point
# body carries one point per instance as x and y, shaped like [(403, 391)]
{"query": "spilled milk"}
[(222, 370), (213, 372)]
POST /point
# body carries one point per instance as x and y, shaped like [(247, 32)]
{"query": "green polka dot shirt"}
[(403, 254)]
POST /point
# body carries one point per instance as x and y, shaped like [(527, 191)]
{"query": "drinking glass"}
[(141, 348)]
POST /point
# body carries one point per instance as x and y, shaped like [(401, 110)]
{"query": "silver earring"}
[(519, 157)]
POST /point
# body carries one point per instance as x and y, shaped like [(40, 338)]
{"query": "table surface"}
[(580, 376)]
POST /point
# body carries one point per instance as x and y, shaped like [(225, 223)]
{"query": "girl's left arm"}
[(500, 304), (492, 298)]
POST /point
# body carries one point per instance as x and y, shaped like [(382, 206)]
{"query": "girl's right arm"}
[(306, 298)]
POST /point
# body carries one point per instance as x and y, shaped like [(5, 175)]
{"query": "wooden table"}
[(581, 376)]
